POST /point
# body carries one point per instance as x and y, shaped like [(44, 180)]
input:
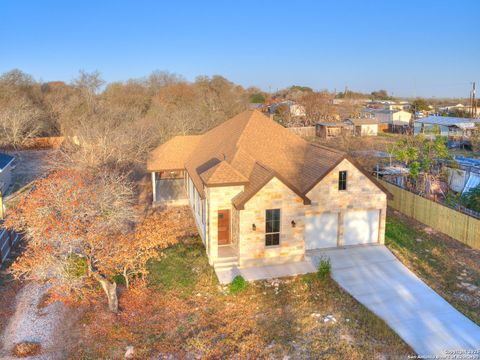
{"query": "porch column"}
[(154, 186)]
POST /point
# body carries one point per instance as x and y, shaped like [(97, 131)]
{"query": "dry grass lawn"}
[(449, 267), (185, 313)]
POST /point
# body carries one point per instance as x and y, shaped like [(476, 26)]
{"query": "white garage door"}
[(361, 227), (321, 231)]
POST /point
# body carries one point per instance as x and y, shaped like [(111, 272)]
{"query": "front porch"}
[(168, 191), (227, 259), (265, 272)]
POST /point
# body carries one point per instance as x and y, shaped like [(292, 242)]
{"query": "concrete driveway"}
[(421, 317)]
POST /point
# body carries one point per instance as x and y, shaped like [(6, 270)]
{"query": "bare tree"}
[(159, 79), (19, 122), (89, 84), (319, 107), (106, 138)]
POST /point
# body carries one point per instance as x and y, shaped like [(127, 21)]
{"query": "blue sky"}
[(422, 48)]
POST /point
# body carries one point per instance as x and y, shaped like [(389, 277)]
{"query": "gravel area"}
[(29, 164), (49, 325)]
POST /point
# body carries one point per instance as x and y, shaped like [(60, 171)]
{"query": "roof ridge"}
[(259, 163), (252, 111), (328, 148)]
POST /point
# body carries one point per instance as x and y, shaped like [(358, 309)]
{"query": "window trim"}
[(342, 182), (276, 232)]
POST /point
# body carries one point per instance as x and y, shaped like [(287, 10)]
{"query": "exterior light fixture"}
[(293, 223), (254, 227)]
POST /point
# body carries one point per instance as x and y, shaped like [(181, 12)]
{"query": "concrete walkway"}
[(429, 324), (225, 276)]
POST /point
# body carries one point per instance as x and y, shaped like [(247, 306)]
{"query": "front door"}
[(223, 227)]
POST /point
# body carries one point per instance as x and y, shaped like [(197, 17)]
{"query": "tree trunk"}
[(125, 276), (110, 289)]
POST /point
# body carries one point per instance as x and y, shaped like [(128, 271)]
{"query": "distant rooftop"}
[(363, 121), (448, 121), (380, 111), (5, 159)]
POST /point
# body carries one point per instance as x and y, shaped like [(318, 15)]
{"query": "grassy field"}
[(446, 265), (183, 312)]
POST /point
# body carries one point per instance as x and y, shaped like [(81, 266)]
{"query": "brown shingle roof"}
[(221, 174), (173, 154), (251, 149)]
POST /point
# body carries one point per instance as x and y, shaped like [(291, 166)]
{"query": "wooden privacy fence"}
[(7, 240), (52, 142), (461, 227), (305, 131)]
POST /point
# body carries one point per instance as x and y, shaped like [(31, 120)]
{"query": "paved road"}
[(421, 317)]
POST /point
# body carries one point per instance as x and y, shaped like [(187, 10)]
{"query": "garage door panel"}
[(321, 231), (361, 227)]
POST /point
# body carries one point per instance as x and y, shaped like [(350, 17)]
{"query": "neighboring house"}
[(6, 162), (389, 105), (350, 101), (390, 117), (394, 174), (469, 110), (329, 130), (257, 106), (364, 126), (354, 127), (296, 110), (464, 174), (457, 130), (262, 195)]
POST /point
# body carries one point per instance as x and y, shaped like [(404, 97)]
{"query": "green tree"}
[(257, 98), (475, 138), (380, 95), (418, 154), (471, 199), (420, 104), (460, 113), (301, 88)]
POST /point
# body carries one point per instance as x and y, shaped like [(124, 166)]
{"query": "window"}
[(342, 180), (272, 227)]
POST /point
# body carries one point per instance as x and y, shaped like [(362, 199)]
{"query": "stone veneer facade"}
[(219, 198), (361, 194), (249, 244), (252, 249)]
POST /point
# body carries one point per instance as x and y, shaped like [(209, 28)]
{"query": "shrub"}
[(25, 349), (471, 199), (324, 268), (238, 284)]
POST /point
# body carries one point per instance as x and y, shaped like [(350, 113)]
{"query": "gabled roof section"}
[(222, 174), (260, 176), (172, 154), (248, 149)]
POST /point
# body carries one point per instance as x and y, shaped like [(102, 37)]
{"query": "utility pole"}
[(473, 102)]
